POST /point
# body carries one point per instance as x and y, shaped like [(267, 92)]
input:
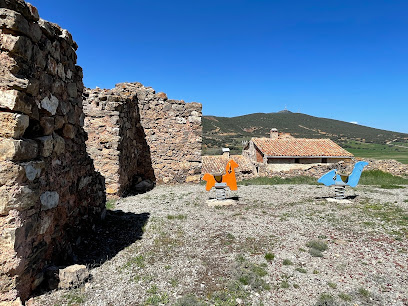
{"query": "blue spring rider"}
[(340, 181)]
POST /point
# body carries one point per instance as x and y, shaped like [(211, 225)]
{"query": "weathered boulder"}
[(72, 276)]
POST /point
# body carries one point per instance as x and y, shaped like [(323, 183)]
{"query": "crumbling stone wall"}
[(116, 140), (137, 134), (49, 189)]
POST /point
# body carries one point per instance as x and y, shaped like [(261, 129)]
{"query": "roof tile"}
[(301, 147)]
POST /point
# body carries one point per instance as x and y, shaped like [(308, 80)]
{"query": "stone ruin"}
[(49, 190), (138, 137)]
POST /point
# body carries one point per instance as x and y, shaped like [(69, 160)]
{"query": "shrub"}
[(269, 256), (301, 270), (317, 244), (326, 299), (110, 204), (287, 262)]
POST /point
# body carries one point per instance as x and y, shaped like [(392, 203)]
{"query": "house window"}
[(324, 160), (297, 161)]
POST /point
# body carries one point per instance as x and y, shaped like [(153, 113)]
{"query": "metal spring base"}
[(339, 192), (220, 193)]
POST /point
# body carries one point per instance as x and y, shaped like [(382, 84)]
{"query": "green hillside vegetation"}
[(360, 140)]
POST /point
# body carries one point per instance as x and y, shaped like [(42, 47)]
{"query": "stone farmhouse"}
[(282, 152)]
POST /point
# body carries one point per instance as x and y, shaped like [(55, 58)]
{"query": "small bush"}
[(301, 270), (110, 204), (189, 300), (317, 244), (344, 296), (326, 299), (251, 274), (332, 285), (269, 256), (363, 292), (284, 284), (287, 262), (315, 253)]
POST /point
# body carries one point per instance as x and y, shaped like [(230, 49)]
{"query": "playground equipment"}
[(340, 181), (222, 181)]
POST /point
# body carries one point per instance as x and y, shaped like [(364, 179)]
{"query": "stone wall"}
[(317, 170), (116, 140), (137, 134), (49, 190)]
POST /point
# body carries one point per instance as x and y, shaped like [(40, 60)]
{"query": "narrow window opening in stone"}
[(33, 130)]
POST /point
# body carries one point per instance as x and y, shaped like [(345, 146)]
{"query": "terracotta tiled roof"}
[(216, 164), (300, 147)]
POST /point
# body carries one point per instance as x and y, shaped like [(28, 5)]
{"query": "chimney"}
[(225, 152), (274, 133)]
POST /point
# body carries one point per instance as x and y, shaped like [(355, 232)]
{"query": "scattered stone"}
[(73, 276)]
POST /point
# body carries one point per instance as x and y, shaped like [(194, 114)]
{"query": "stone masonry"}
[(136, 134), (49, 190)]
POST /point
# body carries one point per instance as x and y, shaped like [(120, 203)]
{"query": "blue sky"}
[(340, 59)]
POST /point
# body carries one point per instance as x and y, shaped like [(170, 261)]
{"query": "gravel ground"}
[(169, 247)]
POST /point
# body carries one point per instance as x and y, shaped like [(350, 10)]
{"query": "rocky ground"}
[(279, 245)]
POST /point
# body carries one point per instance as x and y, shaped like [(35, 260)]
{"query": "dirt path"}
[(264, 250)]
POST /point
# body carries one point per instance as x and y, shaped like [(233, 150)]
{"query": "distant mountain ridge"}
[(232, 131)]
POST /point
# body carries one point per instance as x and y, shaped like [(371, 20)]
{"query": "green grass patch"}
[(316, 247), (138, 261), (269, 256), (391, 187), (287, 262), (284, 284), (301, 270), (110, 204), (388, 213), (363, 292), (176, 217), (317, 244), (74, 298), (157, 299), (251, 274), (189, 300), (325, 299), (345, 297), (332, 285), (378, 177), (279, 181)]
